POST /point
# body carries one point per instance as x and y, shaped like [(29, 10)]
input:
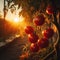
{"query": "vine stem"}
[(58, 27), (49, 54)]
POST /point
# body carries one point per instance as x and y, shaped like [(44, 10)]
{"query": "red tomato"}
[(34, 47), (48, 33), (50, 9), (29, 29), (43, 42), (33, 38), (39, 20)]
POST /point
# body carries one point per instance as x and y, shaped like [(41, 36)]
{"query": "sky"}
[(1, 6)]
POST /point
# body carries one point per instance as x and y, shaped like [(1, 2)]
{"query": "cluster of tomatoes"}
[(36, 43)]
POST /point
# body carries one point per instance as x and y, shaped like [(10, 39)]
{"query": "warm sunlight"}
[(14, 17), (16, 20)]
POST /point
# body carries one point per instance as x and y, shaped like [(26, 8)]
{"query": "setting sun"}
[(16, 19)]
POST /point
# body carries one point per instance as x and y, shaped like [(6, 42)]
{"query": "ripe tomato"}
[(43, 42), (29, 29), (34, 47), (39, 20), (50, 10), (48, 33), (33, 38)]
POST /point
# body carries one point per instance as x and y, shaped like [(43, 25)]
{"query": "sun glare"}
[(16, 19)]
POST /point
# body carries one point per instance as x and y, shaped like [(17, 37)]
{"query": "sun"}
[(16, 19)]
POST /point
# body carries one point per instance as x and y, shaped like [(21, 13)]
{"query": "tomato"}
[(39, 20), (43, 42), (48, 33), (29, 29), (33, 38), (34, 47), (50, 10)]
